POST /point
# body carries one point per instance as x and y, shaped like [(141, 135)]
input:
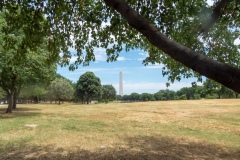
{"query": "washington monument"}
[(120, 84)]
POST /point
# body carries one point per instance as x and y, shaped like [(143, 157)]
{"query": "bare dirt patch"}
[(31, 125)]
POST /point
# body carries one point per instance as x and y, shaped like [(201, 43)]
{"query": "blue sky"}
[(136, 77)]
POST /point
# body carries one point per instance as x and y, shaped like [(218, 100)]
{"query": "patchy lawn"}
[(198, 129)]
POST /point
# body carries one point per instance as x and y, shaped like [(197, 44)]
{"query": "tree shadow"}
[(137, 148), (18, 112)]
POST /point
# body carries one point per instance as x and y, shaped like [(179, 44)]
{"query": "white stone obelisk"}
[(120, 84)]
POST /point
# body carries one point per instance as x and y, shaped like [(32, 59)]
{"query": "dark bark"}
[(88, 100), (220, 72), (236, 94), (219, 96), (10, 102), (15, 97), (36, 99), (59, 102)]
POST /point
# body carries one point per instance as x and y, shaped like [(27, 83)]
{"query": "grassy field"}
[(199, 129)]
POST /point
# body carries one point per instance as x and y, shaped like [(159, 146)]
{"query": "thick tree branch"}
[(214, 16), (220, 72)]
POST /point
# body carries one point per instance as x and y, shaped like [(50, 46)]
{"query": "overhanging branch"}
[(220, 72)]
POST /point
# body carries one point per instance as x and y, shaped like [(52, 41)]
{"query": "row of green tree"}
[(28, 67), (87, 89), (209, 90)]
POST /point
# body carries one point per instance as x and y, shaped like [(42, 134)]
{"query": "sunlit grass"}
[(153, 129)]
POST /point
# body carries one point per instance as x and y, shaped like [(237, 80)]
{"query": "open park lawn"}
[(197, 129)]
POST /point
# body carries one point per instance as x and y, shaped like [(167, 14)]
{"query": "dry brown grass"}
[(200, 129)]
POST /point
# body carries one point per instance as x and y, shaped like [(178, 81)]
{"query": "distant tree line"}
[(209, 90), (89, 89)]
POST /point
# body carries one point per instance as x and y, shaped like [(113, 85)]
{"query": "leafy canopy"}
[(108, 93), (86, 25), (61, 89), (19, 64), (88, 87)]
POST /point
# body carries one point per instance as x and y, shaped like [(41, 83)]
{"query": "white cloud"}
[(122, 59), (143, 54), (237, 41), (210, 2), (155, 66), (140, 59), (102, 70), (73, 59), (104, 24), (100, 54)]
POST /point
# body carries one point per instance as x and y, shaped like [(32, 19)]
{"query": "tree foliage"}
[(61, 89), (164, 95), (33, 92), (154, 26), (213, 88), (88, 87), (2, 94), (108, 93), (21, 63)]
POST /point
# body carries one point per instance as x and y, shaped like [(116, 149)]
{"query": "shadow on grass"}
[(18, 112), (137, 148)]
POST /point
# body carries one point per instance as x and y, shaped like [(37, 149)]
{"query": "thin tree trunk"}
[(15, 97), (10, 103), (236, 94), (82, 100), (220, 72)]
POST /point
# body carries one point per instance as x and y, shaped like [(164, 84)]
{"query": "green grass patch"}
[(211, 126)]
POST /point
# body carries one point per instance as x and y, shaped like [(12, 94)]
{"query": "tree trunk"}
[(220, 72), (236, 94), (82, 100), (10, 103), (15, 97), (87, 101), (36, 99), (219, 95), (59, 102)]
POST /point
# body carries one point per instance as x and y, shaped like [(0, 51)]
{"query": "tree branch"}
[(214, 16), (220, 72)]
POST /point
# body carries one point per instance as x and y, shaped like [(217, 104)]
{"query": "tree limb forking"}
[(214, 16), (220, 72)]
